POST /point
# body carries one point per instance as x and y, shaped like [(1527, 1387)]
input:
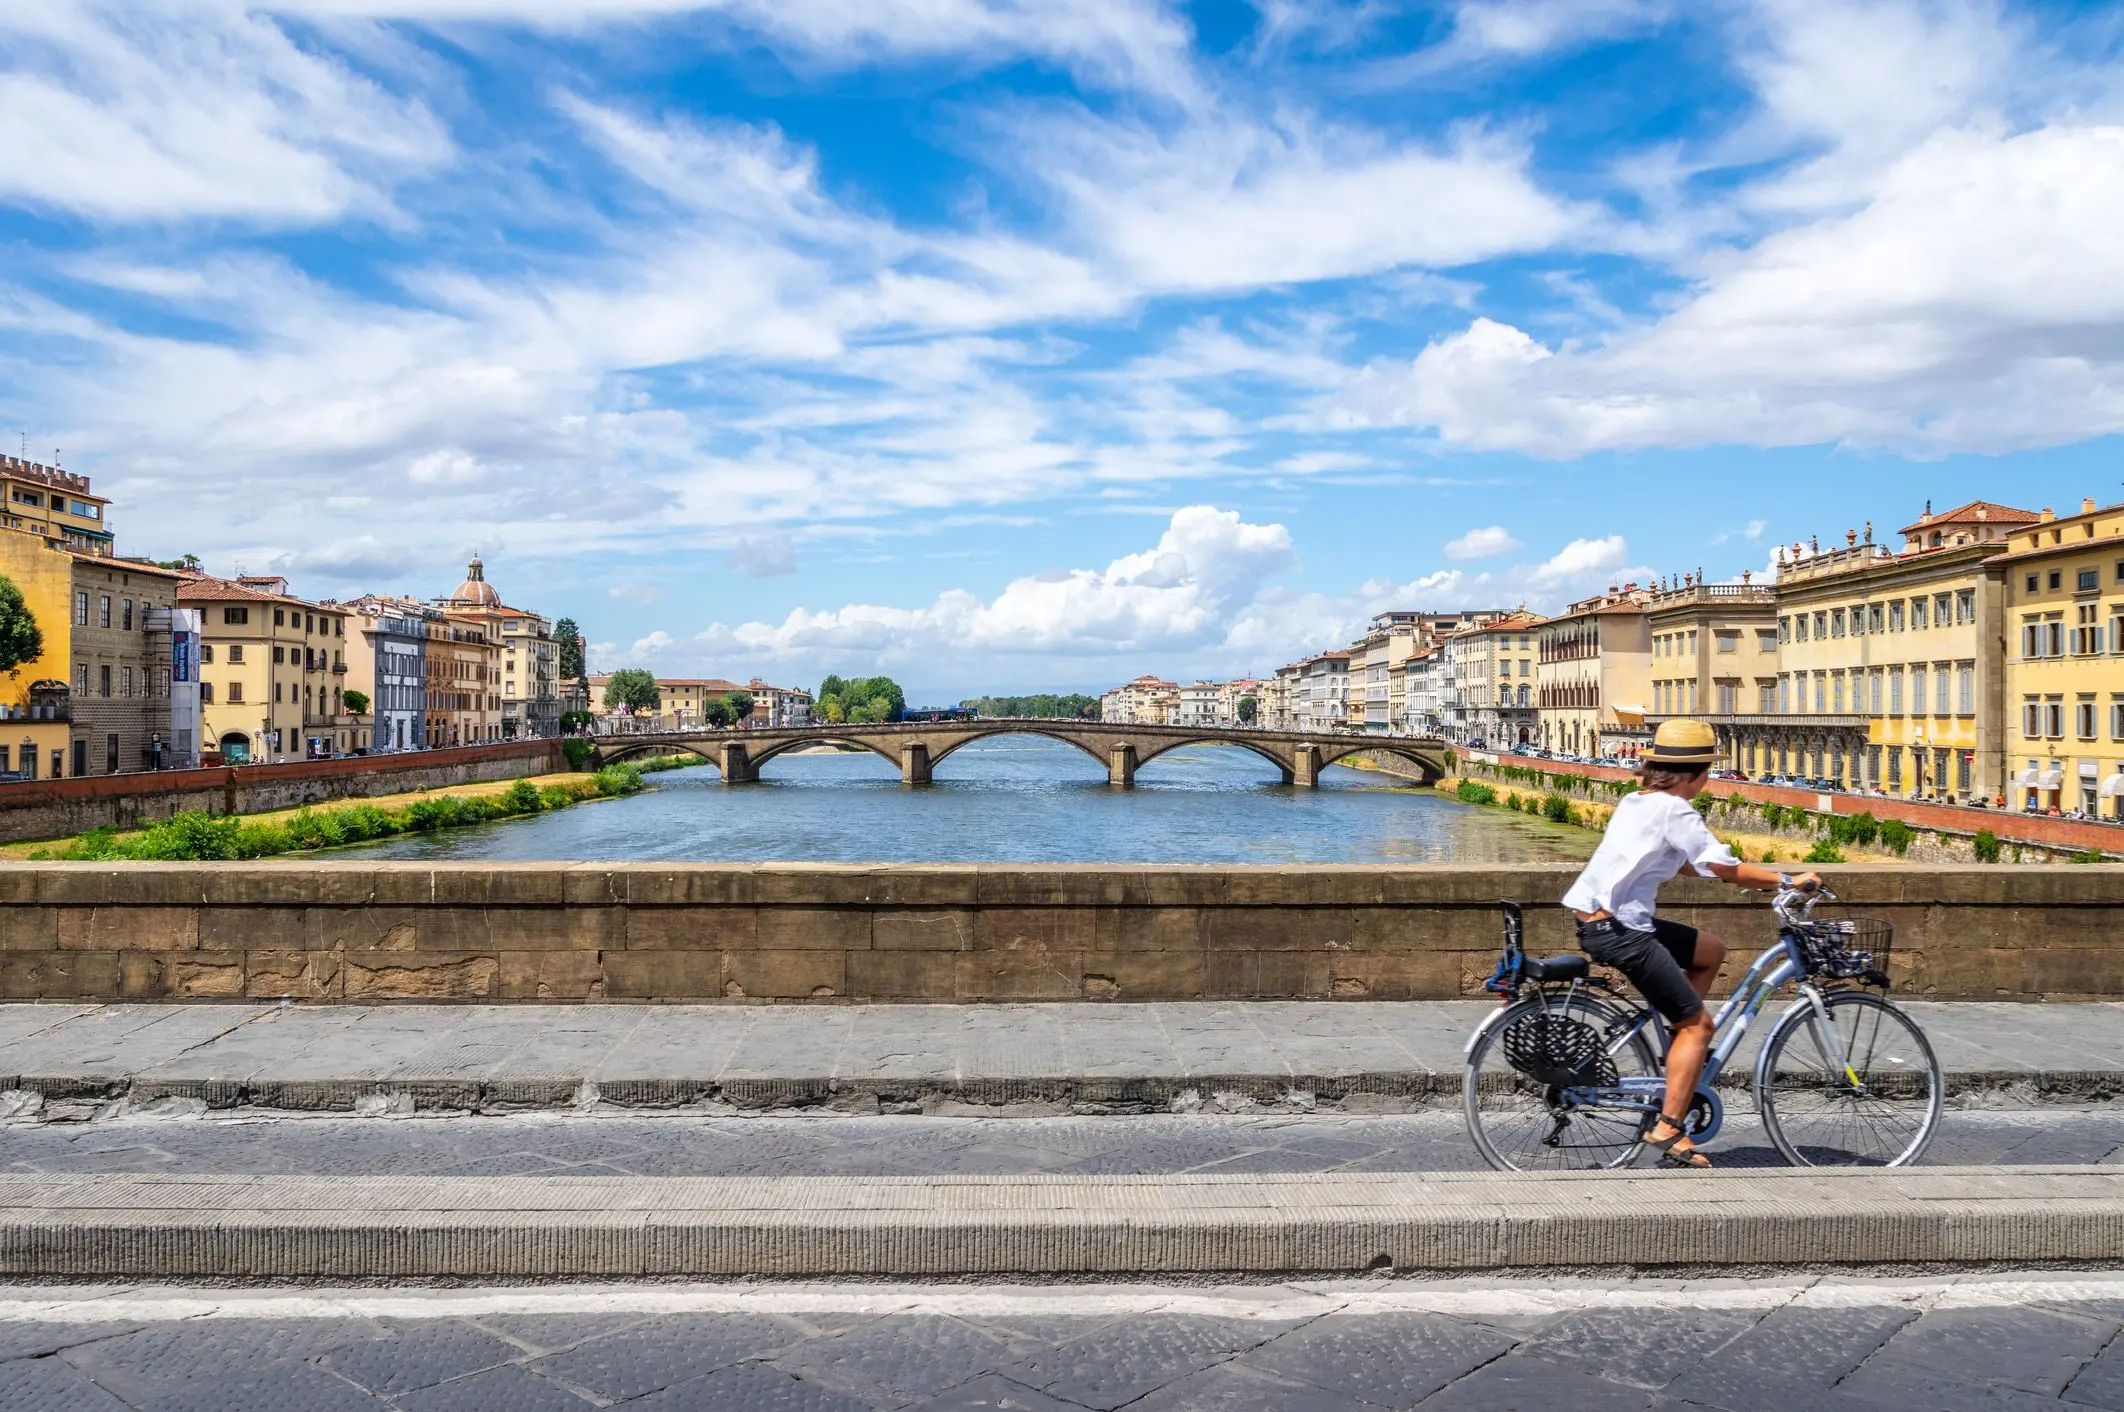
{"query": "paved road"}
[(1087, 1057), (683, 1145), (1993, 1343)]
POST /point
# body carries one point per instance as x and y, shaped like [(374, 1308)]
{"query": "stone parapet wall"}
[(57, 808), (826, 933)]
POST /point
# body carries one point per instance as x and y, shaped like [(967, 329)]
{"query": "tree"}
[(21, 640), (1042, 705), (861, 700), (740, 705), (186, 562), (633, 689), (570, 638), (716, 712), (356, 702), (1248, 709)]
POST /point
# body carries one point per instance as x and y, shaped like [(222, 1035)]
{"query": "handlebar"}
[(1795, 907)]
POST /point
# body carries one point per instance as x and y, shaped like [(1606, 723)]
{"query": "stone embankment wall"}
[(58, 808), (825, 933)]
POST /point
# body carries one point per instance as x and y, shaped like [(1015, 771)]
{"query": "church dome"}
[(475, 590)]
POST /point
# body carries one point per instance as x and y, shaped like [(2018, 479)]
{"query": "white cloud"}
[(763, 558), (134, 112), (1485, 543), (642, 593)]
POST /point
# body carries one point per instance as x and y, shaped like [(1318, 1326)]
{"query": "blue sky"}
[(1005, 344)]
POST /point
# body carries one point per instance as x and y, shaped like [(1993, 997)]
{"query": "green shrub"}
[(1986, 846), (1737, 801), (1703, 801), (624, 779), (1556, 809), (1467, 792), (1774, 815), (1823, 852), (2089, 855), (426, 815), (522, 797), (1897, 836), (578, 751)]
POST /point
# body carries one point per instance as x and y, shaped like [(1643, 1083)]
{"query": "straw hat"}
[(1682, 744)]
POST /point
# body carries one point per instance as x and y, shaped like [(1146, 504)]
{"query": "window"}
[(2116, 719), (2083, 719), (1895, 691), (1917, 689), (235, 615), (1784, 696), (1821, 693), (1836, 622), (206, 652), (235, 655), (103, 682), (1895, 767), (81, 608), (1728, 642), (279, 655), (2054, 638), (2088, 580), (1873, 617), (2054, 719), (1965, 606), (125, 681), (2056, 580), (280, 618), (1836, 692), (206, 693), (127, 616), (2031, 640), (2034, 582), (1895, 616), (1873, 691), (1961, 770), (1940, 700), (81, 679), (1858, 620), (2032, 718), (1799, 627), (1784, 625), (1765, 641), (1873, 766), (1965, 688), (1766, 697), (110, 754), (1917, 613), (1821, 626)]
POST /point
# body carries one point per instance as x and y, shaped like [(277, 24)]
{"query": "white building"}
[(1422, 694), (1323, 692), (1201, 704)]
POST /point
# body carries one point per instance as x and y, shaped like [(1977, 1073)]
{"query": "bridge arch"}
[(756, 758), (613, 754), (1264, 751), (1428, 761), (1014, 726)]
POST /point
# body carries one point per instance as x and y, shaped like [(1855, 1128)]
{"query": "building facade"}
[(1891, 665), (272, 670), (1491, 695), (1146, 701), (1200, 704), (387, 661), (1322, 692), (54, 505), (1715, 658), (526, 659), (1417, 695), (1593, 673), (96, 701), (461, 694), (2064, 689)]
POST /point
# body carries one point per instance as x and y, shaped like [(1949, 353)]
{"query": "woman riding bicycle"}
[(1653, 835)]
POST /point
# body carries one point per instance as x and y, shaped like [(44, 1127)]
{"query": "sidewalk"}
[(1058, 1058)]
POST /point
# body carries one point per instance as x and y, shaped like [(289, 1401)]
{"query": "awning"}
[(1629, 715), (2113, 786), (2026, 779), (2051, 779)]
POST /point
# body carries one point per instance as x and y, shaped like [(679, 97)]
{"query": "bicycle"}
[(1563, 1076)]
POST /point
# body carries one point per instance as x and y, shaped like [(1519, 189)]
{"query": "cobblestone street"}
[(1983, 1342)]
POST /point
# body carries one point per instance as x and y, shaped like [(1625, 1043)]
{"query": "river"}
[(1018, 799)]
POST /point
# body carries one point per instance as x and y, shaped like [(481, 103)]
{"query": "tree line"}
[(1041, 705)]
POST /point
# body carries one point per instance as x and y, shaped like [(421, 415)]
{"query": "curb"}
[(1368, 1092), (546, 1227)]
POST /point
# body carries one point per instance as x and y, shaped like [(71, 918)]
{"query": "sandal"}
[(1668, 1157)]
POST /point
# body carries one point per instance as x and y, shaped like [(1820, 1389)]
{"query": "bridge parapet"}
[(916, 748)]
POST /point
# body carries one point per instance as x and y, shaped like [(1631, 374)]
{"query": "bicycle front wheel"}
[(1521, 1124), (1864, 1090)]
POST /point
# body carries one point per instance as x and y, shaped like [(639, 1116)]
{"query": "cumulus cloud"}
[(1485, 543)]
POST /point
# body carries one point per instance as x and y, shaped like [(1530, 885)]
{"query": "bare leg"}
[(1691, 1043)]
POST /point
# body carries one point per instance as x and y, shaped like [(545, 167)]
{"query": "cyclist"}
[(1656, 833)]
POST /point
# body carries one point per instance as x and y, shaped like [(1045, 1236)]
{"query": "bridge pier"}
[(736, 764), (1305, 766), (1121, 766), (914, 763)]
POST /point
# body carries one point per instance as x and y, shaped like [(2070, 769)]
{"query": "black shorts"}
[(1653, 960)]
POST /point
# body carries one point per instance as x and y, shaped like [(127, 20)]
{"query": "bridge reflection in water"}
[(917, 748)]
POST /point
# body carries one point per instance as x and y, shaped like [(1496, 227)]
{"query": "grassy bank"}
[(193, 837)]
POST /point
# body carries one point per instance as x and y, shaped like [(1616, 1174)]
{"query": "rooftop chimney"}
[(2048, 515), (2087, 505)]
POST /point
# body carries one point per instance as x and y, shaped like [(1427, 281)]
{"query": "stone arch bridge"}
[(918, 747)]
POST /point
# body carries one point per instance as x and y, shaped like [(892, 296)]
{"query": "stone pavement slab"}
[(1079, 1057), (283, 1227)]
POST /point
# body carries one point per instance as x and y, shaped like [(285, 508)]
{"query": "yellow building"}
[(97, 700), (2064, 694), (1890, 671), (526, 684), (54, 504), (1593, 673), (463, 701), (272, 668), (1714, 658)]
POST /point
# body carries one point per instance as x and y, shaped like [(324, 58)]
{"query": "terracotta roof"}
[(208, 589), (1988, 512)]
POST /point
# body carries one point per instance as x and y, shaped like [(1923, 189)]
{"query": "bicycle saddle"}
[(1556, 968)]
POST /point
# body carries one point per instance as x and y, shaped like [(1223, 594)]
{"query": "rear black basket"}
[(1558, 1051), (1846, 948)]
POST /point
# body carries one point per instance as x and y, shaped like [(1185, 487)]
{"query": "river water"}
[(1018, 799)]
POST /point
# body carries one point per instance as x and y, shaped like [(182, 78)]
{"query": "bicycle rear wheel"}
[(1867, 1093), (1520, 1124)]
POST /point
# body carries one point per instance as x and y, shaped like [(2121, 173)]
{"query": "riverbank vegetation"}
[(1039, 706), (196, 837)]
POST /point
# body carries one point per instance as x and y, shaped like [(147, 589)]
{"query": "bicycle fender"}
[(1490, 1022)]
